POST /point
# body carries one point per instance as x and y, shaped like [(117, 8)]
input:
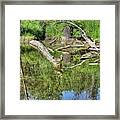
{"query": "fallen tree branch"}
[(70, 46), (94, 49), (40, 47), (83, 32), (51, 42), (93, 63), (51, 50), (92, 44), (96, 60)]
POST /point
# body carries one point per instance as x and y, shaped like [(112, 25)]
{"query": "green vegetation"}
[(55, 28), (41, 79)]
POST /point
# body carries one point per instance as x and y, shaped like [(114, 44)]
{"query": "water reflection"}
[(72, 95), (83, 95)]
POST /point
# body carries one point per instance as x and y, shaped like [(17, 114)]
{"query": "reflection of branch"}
[(24, 85)]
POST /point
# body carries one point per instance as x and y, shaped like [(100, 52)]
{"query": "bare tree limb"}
[(93, 63), (40, 47), (83, 32), (51, 50), (69, 46), (94, 49), (51, 42), (92, 44)]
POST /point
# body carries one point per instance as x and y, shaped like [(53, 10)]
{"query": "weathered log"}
[(40, 47)]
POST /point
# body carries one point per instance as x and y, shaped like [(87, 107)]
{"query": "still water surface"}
[(84, 95), (71, 95)]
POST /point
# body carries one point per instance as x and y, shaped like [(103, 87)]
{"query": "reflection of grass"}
[(45, 83)]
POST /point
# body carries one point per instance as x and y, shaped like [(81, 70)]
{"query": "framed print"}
[(60, 59)]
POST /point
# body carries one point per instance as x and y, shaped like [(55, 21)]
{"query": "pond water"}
[(72, 95), (84, 95)]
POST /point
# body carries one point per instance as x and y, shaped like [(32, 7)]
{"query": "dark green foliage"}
[(33, 27)]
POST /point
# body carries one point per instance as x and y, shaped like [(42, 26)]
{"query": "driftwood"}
[(57, 63), (89, 55), (51, 42), (83, 34), (51, 50), (40, 47), (69, 46), (94, 49)]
